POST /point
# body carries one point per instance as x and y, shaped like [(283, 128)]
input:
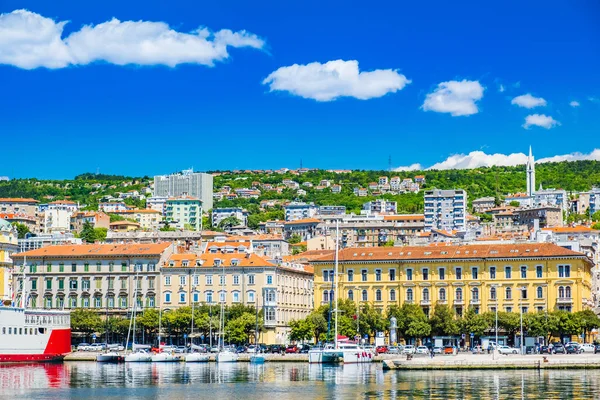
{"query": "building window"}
[(98, 267), (61, 267), (425, 274), (539, 271), (492, 272), (409, 274), (250, 279), (493, 293), (167, 280), (236, 279), (442, 294), (363, 274), (98, 302), (222, 296), (209, 279), (151, 301), (236, 297), (350, 275), (540, 292), (507, 272), (251, 297), (269, 279), (350, 295), (85, 302), (325, 296), (378, 275), (523, 272), (523, 293), (458, 273), (365, 297), (86, 267), (48, 267), (111, 283), (73, 267), (49, 284), (392, 274), (378, 295), (47, 302), (508, 309), (123, 267), (459, 312), (270, 314), (326, 275), (123, 283), (167, 297), (425, 294), (459, 294), (182, 297), (409, 294), (209, 297), (61, 283), (73, 284), (442, 272), (564, 271), (182, 279), (508, 293), (475, 294), (111, 267), (474, 274), (393, 295), (196, 297), (151, 267)]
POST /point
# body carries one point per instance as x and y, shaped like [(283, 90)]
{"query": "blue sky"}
[(438, 79)]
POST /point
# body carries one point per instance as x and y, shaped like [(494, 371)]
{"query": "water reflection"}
[(285, 380)]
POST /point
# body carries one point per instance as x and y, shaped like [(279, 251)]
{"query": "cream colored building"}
[(148, 218), (284, 292), (8, 245), (324, 242)]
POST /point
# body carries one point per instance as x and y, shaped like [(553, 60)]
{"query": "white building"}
[(380, 207), (219, 214), (594, 200), (113, 206), (57, 220), (297, 210), (188, 182), (395, 183), (530, 171), (446, 210), (43, 240), (158, 203), (552, 197)]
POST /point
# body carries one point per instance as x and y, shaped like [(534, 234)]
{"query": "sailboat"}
[(257, 357), (344, 351), (225, 355), (109, 356), (137, 354), (194, 356), (163, 356)]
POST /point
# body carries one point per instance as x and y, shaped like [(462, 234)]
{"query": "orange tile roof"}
[(570, 229), (95, 250), (117, 223), (62, 202), (244, 260), (473, 251), (17, 200), (138, 211), (16, 216), (404, 217), (227, 244), (303, 221), (308, 255)]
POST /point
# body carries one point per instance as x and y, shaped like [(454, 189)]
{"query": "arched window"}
[(332, 295), (393, 295), (493, 293), (325, 296), (561, 292), (426, 294), (378, 295), (459, 294), (409, 294), (475, 294), (442, 295), (350, 294), (568, 292), (540, 292), (508, 293), (364, 295)]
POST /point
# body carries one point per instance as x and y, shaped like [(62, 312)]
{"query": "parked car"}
[(422, 350), (305, 348), (83, 346), (251, 349), (381, 349), (545, 350), (409, 349), (214, 349), (558, 348), (437, 350), (507, 350), (291, 349), (597, 348), (96, 347), (478, 350), (572, 349), (393, 350), (588, 348), (116, 347), (180, 349), (276, 348), (449, 350)]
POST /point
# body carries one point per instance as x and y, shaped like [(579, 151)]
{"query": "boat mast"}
[(335, 279)]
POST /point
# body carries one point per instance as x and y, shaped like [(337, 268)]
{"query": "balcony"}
[(475, 302), (565, 300), (426, 302), (442, 301), (459, 301)]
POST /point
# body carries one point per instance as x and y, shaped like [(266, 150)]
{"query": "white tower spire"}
[(530, 174)]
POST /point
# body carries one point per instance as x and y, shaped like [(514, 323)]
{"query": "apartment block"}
[(186, 183), (380, 207), (219, 214), (184, 213), (297, 210), (446, 210)]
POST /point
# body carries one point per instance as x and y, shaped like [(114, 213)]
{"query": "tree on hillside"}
[(100, 234), (22, 229), (229, 222), (295, 239), (596, 216), (88, 234), (514, 203)]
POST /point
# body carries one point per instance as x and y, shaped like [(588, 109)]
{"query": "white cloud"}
[(454, 97), (574, 104), (594, 155), (29, 40), (476, 159), (541, 120), (334, 79), (412, 167), (501, 88), (528, 101)]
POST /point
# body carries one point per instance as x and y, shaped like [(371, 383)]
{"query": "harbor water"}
[(174, 381)]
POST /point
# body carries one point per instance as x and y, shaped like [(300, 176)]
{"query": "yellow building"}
[(535, 276), (8, 246), (284, 292)]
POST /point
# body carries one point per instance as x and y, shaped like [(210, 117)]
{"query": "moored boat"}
[(138, 356), (227, 356), (196, 357), (109, 357), (165, 357)]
